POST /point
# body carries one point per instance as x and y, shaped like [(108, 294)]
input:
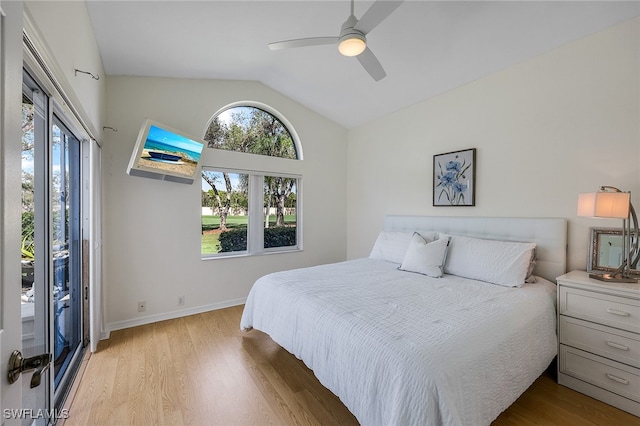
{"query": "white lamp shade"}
[(613, 205), (352, 45)]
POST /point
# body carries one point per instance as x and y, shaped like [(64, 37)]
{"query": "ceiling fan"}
[(352, 40)]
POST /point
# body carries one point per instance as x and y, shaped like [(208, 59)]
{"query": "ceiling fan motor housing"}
[(351, 42)]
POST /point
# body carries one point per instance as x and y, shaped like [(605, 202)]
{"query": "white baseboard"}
[(149, 319)]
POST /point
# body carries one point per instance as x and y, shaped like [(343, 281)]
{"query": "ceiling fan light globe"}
[(352, 45)]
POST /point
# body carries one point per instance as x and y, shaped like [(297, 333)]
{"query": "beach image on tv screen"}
[(166, 151)]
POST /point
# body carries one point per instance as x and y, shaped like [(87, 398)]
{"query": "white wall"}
[(152, 228), (545, 130), (63, 30)]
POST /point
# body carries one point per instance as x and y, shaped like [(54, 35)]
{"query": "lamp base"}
[(618, 278)]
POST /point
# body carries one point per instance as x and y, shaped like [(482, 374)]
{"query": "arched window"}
[(251, 129), (250, 211)]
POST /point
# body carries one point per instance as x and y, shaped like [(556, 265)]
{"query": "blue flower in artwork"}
[(459, 187), (453, 165), (448, 179)]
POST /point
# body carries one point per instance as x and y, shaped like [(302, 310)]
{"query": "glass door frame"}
[(35, 327), (74, 268)]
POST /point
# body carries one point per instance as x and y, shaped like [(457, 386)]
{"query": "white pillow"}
[(392, 246), (424, 257), (499, 262)]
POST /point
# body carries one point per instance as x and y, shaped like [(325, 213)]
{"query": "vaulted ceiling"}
[(426, 47)]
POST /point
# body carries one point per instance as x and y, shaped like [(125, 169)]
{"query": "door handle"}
[(18, 364)]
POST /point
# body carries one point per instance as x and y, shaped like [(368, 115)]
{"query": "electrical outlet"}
[(180, 300), (142, 306)]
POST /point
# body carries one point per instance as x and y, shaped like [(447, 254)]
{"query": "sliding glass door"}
[(52, 254)]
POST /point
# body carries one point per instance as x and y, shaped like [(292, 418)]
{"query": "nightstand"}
[(599, 339)]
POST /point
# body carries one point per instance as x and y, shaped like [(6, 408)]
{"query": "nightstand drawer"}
[(609, 342), (606, 309), (602, 372)]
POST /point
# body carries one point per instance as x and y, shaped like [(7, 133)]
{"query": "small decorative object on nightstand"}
[(599, 336)]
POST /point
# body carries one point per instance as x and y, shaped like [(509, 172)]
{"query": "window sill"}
[(247, 254)]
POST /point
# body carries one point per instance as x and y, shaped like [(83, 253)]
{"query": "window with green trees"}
[(249, 211)]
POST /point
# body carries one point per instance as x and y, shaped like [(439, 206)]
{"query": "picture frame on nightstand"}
[(605, 251)]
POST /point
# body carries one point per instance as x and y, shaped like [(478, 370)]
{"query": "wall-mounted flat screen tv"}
[(164, 153)]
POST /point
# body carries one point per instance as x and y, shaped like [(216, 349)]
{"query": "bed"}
[(408, 347)]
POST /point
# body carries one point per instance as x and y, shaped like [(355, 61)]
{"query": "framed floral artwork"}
[(454, 176)]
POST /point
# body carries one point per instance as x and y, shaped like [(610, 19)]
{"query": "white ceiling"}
[(426, 47)]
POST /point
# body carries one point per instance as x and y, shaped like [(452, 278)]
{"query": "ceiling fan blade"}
[(371, 64), (378, 12), (302, 42)]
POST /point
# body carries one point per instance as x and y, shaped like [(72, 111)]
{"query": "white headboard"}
[(550, 235)]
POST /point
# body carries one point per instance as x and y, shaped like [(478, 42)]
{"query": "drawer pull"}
[(619, 313), (618, 379), (617, 345)]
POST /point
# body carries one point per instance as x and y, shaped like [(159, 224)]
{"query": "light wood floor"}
[(201, 370)]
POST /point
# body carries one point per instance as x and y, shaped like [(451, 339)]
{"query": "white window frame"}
[(298, 246), (255, 239)]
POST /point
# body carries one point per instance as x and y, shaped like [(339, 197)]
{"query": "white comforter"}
[(400, 348)]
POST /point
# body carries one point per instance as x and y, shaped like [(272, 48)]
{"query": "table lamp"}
[(610, 202)]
